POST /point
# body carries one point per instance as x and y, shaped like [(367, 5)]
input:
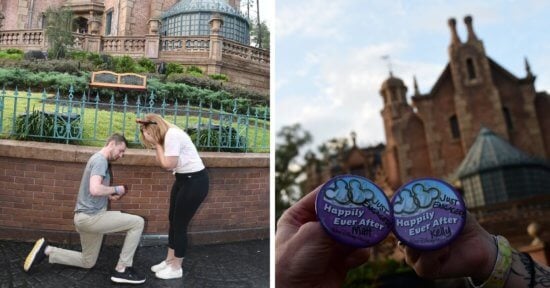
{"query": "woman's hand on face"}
[(148, 137)]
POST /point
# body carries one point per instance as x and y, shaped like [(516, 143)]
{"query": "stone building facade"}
[(130, 27), (129, 17), (432, 135), (472, 92)]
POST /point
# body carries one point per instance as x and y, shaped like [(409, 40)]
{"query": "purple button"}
[(428, 213), (354, 211)]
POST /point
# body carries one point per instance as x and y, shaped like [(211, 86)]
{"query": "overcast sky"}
[(267, 10), (328, 64)]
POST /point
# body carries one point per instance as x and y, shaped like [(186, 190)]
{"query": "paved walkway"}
[(239, 264)]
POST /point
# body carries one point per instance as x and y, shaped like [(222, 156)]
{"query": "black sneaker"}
[(36, 255), (129, 275)]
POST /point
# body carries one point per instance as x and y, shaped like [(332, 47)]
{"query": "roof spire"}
[(471, 34), (416, 91), (528, 69), (353, 138), (387, 59), (454, 35)]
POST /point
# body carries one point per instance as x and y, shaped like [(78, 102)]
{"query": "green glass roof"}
[(490, 151), (187, 6)]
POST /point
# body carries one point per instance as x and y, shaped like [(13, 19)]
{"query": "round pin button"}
[(428, 213), (354, 211)]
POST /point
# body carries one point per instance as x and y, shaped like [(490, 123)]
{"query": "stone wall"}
[(39, 183)]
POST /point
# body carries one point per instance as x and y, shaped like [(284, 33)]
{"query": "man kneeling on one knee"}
[(92, 220)]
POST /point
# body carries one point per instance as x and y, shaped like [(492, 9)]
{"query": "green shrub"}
[(78, 55), (8, 62), (24, 79), (207, 83), (195, 74), (210, 139), (194, 69), (95, 59), (10, 56), (124, 64), (221, 77), (39, 126), (14, 51), (174, 68), (147, 64), (12, 77), (65, 66), (37, 66), (201, 82)]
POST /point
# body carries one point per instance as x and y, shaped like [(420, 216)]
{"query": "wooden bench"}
[(109, 79)]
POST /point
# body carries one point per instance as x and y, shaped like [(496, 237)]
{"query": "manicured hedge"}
[(170, 91)]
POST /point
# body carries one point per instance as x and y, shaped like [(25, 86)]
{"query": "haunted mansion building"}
[(210, 34), (480, 128)]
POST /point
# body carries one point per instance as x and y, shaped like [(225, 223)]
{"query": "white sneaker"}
[(168, 273), (158, 267)]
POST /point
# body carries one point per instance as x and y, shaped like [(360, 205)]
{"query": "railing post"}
[(27, 111), (68, 124), (138, 116), (82, 119), (55, 114), (209, 124), (15, 96), (2, 96), (95, 115), (112, 108), (125, 106), (42, 115)]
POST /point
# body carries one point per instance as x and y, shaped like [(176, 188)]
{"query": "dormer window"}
[(508, 118), (455, 130), (471, 69)]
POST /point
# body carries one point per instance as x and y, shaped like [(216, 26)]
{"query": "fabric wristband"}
[(502, 267), (116, 190)]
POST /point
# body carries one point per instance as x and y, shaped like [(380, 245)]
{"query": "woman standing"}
[(176, 152)]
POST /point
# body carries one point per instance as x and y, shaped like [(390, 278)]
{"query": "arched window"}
[(455, 130), (80, 25), (43, 21), (108, 22), (471, 69)]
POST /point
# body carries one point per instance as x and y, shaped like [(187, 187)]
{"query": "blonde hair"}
[(157, 131)]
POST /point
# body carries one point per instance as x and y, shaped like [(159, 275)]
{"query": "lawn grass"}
[(98, 125)]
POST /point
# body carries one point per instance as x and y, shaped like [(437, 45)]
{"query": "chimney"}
[(454, 35), (471, 34)]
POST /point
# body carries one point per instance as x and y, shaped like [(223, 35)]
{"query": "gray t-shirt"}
[(86, 202)]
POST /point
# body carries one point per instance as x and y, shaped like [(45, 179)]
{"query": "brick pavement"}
[(228, 265)]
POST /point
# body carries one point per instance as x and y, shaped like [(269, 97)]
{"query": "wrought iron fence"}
[(87, 120)]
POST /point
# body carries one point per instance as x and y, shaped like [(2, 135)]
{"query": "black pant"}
[(187, 194)]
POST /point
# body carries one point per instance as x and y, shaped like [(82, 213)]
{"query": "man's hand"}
[(121, 190), (305, 255), (472, 254)]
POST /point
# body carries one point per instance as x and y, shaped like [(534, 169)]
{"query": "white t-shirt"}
[(178, 143)]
